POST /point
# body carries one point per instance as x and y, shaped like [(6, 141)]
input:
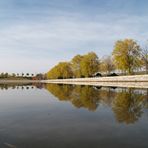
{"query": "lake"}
[(72, 116)]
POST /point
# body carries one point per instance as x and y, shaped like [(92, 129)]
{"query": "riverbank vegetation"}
[(127, 58), (22, 76)]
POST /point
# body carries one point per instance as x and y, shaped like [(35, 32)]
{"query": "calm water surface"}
[(69, 116)]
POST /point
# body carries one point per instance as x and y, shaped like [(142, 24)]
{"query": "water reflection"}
[(6, 86), (127, 104), (79, 96), (23, 86)]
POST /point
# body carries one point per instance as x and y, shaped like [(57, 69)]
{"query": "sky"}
[(37, 34)]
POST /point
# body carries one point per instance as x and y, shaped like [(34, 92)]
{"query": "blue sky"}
[(37, 34)]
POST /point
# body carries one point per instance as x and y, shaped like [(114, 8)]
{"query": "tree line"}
[(30, 76), (127, 58)]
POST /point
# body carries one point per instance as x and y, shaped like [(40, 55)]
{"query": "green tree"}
[(126, 55)]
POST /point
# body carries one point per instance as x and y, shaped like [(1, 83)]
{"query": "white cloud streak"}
[(36, 45)]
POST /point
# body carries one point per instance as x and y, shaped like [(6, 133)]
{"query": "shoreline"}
[(133, 81), (136, 81), (107, 84), (131, 78)]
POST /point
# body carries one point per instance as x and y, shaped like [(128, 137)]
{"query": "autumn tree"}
[(89, 64), (126, 55), (80, 65), (62, 70), (65, 69), (76, 65)]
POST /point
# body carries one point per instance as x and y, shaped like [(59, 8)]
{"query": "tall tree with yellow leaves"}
[(126, 55)]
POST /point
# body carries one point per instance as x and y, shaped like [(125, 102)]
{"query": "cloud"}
[(45, 38)]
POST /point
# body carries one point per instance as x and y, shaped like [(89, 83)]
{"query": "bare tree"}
[(107, 65), (144, 55)]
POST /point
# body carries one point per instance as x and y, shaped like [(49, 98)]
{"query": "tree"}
[(39, 76), (2, 75), (126, 55), (75, 63), (65, 69), (13, 75), (107, 65), (6, 75), (144, 55), (27, 74), (89, 64), (62, 70), (22, 74)]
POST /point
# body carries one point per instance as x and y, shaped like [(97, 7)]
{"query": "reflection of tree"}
[(146, 99), (7, 86), (80, 96), (3, 86), (86, 97), (107, 95), (62, 92), (128, 106)]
